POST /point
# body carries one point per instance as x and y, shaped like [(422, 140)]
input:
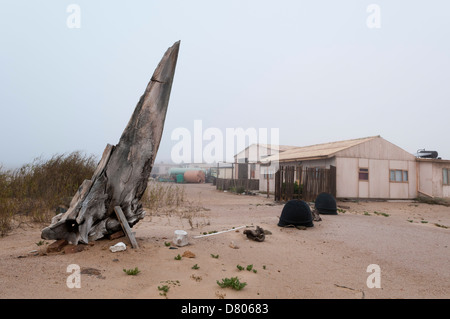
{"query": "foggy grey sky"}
[(313, 69)]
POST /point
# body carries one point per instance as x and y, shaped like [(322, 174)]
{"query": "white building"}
[(373, 168)]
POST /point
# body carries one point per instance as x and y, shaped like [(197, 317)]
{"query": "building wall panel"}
[(347, 177), (379, 178)]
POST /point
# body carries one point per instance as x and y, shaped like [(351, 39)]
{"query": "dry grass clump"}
[(37, 189), (170, 199), (160, 197)]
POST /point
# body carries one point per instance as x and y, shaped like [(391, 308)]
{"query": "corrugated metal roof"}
[(317, 151)]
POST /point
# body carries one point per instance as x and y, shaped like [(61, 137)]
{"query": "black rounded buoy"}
[(296, 212), (326, 204)]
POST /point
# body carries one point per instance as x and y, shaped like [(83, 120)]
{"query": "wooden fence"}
[(242, 183), (297, 182)]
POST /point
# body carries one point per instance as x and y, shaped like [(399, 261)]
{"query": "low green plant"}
[(195, 267), (214, 256), (240, 267), (164, 289), (232, 282), (249, 267), (178, 257), (380, 213), (237, 190), (240, 189), (167, 244), (210, 232), (132, 272)]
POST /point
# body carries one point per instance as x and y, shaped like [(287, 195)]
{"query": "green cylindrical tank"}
[(180, 178)]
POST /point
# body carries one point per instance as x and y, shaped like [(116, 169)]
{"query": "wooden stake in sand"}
[(126, 228)]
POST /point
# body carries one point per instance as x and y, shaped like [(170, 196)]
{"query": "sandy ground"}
[(329, 260)]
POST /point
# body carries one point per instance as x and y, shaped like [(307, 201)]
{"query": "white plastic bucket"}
[(180, 238)]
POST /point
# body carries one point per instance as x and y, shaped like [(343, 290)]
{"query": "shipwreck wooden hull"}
[(122, 173)]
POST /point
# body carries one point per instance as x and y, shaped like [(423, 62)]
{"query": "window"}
[(252, 170), (398, 175), (446, 176), (363, 174), (265, 175)]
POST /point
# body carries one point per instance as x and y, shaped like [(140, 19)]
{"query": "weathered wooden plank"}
[(122, 175), (126, 228)]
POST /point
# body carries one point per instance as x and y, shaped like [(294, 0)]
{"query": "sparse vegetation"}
[(40, 243), (233, 283), (178, 257), (210, 232), (214, 256), (167, 284), (237, 190), (165, 198), (366, 213), (382, 214), (164, 289), (195, 267), (434, 201), (132, 272), (159, 196), (196, 278), (35, 190)]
